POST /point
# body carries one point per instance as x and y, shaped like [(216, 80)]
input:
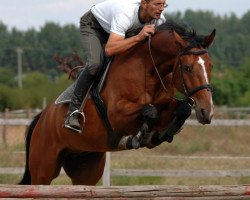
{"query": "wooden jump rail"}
[(212, 192)]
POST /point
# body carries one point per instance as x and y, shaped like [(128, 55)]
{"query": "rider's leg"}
[(92, 39), (83, 84)]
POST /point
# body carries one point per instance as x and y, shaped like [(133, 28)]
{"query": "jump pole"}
[(166, 192)]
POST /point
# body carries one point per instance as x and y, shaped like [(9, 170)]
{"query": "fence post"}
[(29, 114), (44, 102), (106, 173), (4, 133)]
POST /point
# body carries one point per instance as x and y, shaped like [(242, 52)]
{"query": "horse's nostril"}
[(205, 116), (203, 113)]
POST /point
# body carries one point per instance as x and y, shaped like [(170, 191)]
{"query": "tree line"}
[(42, 78)]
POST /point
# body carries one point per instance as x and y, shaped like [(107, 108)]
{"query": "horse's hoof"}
[(149, 112), (135, 143), (183, 109)]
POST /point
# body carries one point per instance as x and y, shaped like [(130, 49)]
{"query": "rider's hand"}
[(146, 31)]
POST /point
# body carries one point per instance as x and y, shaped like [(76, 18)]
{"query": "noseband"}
[(190, 92)]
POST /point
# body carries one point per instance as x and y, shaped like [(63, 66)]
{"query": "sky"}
[(25, 14)]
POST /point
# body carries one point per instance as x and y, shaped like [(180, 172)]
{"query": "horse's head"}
[(192, 74)]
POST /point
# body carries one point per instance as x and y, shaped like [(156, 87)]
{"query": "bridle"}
[(187, 51), (190, 92)]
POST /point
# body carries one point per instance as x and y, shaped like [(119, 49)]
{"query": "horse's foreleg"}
[(124, 115), (131, 141), (148, 116), (181, 113)]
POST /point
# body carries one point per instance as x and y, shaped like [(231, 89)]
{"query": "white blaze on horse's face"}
[(202, 63)]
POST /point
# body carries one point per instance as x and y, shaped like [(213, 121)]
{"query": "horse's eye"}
[(187, 68)]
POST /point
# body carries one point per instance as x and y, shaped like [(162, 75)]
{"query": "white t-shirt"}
[(120, 16)]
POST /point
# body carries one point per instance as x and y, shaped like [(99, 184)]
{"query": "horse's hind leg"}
[(44, 165), (84, 168)]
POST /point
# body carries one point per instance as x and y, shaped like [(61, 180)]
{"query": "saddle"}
[(65, 96)]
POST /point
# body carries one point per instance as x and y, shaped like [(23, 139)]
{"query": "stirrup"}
[(77, 112)]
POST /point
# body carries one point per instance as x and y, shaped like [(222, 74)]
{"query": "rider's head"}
[(152, 9)]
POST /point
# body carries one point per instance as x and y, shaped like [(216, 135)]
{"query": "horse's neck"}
[(133, 74), (150, 57), (163, 52)]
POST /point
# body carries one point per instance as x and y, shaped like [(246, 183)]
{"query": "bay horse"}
[(139, 96)]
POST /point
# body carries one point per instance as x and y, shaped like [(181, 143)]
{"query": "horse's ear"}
[(208, 40), (178, 40)]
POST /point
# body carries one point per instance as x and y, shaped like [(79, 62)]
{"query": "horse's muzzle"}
[(204, 116)]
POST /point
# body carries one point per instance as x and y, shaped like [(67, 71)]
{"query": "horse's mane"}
[(185, 31)]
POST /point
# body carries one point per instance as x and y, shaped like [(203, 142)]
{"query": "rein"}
[(152, 58)]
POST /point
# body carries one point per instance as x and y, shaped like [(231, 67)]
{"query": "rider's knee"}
[(93, 68)]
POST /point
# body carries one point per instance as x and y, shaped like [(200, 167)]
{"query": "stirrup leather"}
[(76, 112)]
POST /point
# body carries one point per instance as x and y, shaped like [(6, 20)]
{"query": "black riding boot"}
[(83, 84)]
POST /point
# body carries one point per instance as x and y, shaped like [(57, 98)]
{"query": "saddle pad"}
[(65, 96)]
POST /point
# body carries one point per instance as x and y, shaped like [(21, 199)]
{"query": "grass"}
[(9, 179), (207, 181), (192, 141), (125, 180)]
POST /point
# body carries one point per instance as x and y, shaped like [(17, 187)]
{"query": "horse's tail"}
[(26, 180)]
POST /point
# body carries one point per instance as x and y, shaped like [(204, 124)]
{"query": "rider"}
[(108, 23)]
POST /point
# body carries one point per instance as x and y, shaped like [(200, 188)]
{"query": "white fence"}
[(23, 118), (109, 172)]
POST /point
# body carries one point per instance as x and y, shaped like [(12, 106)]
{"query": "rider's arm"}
[(118, 44)]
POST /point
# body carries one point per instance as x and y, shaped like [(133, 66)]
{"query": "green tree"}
[(229, 52), (4, 35), (7, 76)]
